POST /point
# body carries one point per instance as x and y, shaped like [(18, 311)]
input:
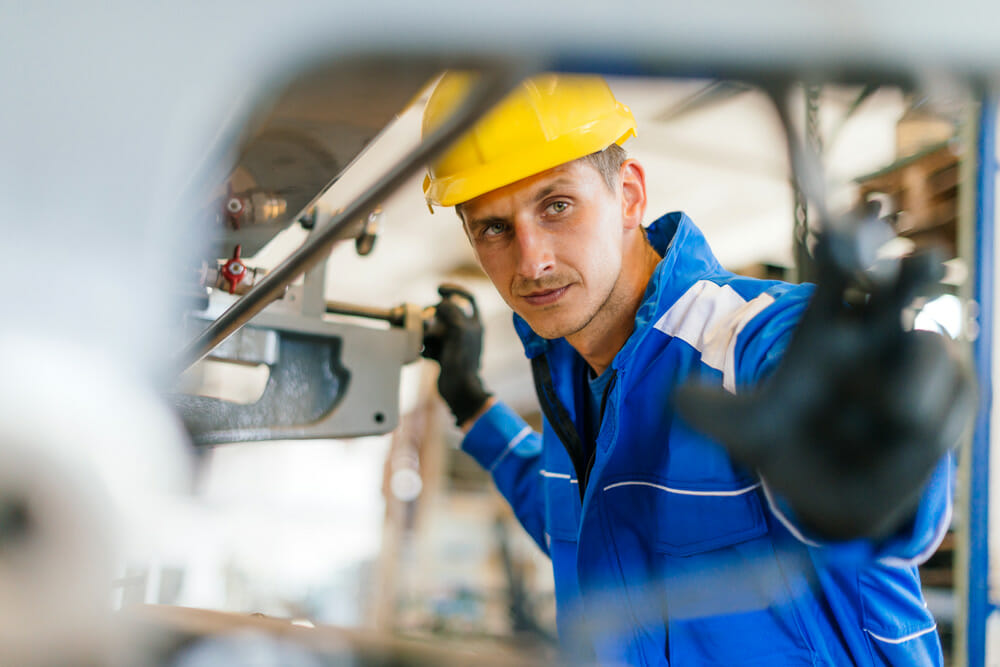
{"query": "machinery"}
[(325, 378)]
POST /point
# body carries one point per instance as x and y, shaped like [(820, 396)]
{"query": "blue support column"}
[(979, 604)]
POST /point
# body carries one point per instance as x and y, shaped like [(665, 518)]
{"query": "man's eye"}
[(558, 206), (495, 229)]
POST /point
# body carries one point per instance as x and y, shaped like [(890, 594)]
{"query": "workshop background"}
[(397, 536)]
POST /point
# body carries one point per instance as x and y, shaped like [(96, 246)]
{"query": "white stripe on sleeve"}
[(514, 442), (709, 318), (900, 640)]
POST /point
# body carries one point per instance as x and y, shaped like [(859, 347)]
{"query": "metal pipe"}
[(394, 316), (978, 493), (494, 82)]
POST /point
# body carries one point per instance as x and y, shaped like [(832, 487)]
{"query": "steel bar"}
[(393, 316), (494, 82)]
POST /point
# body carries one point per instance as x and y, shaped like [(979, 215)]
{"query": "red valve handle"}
[(234, 270)]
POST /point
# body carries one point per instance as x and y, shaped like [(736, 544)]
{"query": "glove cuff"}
[(464, 404)]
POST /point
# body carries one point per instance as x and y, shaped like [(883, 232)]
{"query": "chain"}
[(814, 147)]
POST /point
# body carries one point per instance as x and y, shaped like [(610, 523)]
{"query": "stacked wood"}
[(923, 189)]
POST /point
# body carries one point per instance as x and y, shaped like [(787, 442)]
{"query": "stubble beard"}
[(591, 312)]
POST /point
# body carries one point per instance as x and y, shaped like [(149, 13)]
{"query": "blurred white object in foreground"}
[(87, 454)]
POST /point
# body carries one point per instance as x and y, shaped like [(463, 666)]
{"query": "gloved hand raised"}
[(454, 339), (855, 418)]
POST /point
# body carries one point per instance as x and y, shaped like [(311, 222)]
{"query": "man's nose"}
[(536, 258)]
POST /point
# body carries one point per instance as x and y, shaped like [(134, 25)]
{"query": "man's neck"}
[(604, 336)]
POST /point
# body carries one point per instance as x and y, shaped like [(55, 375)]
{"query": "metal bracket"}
[(328, 379)]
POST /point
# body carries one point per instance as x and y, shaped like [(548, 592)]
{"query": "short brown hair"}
[(608, 163)]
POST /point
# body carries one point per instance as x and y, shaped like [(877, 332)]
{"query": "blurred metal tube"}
[(394, 316), (494, 82)]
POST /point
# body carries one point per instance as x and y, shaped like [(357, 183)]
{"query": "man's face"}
[(551, 244)]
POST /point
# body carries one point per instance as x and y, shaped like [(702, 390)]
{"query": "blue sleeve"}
[(763, 341), (507, 447), (760, 347)]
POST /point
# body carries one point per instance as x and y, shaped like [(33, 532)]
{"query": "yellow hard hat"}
[(548, 120)]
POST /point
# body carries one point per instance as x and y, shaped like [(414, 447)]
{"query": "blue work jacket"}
[(664, 551)]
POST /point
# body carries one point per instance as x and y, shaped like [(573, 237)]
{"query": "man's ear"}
[(633, 180)]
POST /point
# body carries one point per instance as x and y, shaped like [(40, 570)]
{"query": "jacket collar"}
[(685, 252)]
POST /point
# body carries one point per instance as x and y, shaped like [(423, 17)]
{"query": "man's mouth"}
[(546, 296)]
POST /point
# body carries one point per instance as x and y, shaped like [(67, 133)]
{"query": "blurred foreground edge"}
[(188, 637)]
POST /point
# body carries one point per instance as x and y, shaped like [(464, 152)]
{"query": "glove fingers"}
[(449, 321), (960, 411), (447, 317), (918, 274), (432, 347), (840, 255), (449, 292), (461, 341), (827, 302), (919, 382), (944, 402), (847, 255), (450, 314), (447, 289)]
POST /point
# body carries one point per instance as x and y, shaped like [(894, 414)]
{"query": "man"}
[(795, 544)]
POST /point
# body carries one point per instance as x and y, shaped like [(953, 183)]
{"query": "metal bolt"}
[(236, 268), (234, 205)]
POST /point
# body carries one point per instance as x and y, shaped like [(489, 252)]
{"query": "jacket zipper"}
[(555, 413), (600, 420), (558, 418)]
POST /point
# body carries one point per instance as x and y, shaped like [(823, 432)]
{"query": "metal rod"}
[(392, 316), (494, 82)]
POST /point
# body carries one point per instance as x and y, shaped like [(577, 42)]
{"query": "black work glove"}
[(454, 338), (857, 415)]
